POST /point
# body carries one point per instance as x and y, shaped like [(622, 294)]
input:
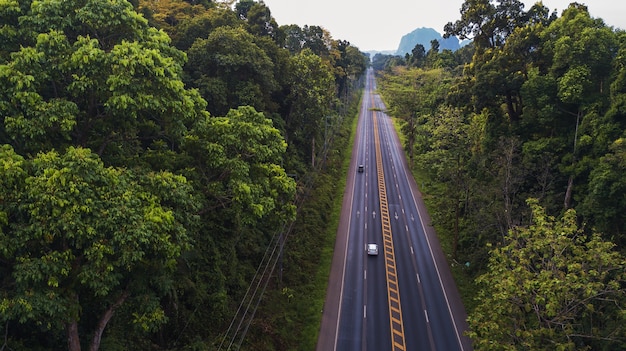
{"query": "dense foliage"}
[(535, 110), (149, 151)]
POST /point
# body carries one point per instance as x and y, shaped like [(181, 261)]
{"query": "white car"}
[(372, 249)]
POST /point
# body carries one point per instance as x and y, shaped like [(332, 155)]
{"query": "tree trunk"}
[(570, 182), (510, 106), (568, 193), (73, 341), (106, 317)]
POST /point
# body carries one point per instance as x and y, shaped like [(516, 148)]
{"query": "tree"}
[(11, 34), (80, 240), (432, 54), (312, 92), (417, 57), (413, 94), (317, 39), (260, 20), (96, 76), (230, 70), (444, 149), (605, 204), (581, 50), (168, 14), (487, 24), (349, 66), (404, 95), (551, 287), (238, 157), (242, 7)]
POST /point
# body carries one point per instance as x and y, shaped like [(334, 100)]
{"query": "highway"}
[(404, 298)]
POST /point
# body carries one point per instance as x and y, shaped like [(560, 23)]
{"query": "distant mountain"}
[(424, 36)]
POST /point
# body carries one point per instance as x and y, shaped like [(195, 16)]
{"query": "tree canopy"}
[(149, 153), (532, 109), (551, 287)]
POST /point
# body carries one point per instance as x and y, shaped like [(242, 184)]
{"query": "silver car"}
[(372, 249)]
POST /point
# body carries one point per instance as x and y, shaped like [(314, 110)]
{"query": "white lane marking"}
[(365, 312), (426, 314), (412, 252)]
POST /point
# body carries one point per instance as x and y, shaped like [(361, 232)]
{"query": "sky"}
[(379, 25)]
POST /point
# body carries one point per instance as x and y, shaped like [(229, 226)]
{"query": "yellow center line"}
[(393, 290)]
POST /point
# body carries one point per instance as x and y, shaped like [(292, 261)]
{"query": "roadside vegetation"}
[(300, 296), (516, 141)]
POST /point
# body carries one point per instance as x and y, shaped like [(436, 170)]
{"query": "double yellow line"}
[(393, 290)]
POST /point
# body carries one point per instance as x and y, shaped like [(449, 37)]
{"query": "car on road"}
[(361, 168), (372, 249)]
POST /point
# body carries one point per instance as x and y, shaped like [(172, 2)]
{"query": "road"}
[(404, 298)]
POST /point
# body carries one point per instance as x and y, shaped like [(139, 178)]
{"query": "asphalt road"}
[(404, 298)]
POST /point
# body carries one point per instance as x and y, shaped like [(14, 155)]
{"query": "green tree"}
[(230, 70), (169, 14), (417, 57), (235, 163), (411, 95), (243, 7), (96, 76), (292, 38), (239, 156), (551, 287), (316, 39), (506, 41), (444, 149), (82, 239), (580, 52), (260, 21), (349, 66), (311, 95), (605, 203), (486, 23), (11, 33)]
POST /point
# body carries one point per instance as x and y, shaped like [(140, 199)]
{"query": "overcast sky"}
[(379, 25)]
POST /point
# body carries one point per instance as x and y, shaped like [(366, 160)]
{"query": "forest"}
[(518, 143), (150, 152)]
